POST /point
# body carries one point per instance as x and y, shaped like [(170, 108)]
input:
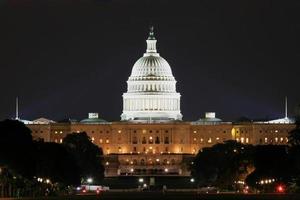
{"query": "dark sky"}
[(67, 58)]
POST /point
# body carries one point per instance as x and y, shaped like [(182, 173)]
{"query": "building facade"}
[(160, 148), (151, 138)]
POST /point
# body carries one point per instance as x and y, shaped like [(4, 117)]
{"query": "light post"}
[(192, 180), (89, 181)]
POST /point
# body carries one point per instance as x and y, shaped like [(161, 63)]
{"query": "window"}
[(60, 140), (157, 161), (119, 131), (166, 149), (93, 139), (101, 141), (107, 141), (150, 140), (134, 149), (242, 140), (142, 162), (144, 140), (266, 140), (276, 139), (134, 140), (157, 140), (209, 140), (166, 140)]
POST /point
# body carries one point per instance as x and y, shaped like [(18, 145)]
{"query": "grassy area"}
[(174, 196)]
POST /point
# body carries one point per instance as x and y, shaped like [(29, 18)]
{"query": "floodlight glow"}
[(89, 180)]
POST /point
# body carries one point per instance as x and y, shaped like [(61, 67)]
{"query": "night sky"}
[(67, 58)]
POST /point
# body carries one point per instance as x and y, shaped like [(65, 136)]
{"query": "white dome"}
[(151, 89), (149, 67)]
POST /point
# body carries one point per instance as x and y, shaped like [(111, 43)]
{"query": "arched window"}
[(142, 162)]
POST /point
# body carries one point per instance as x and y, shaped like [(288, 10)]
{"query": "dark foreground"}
[(174, 196)]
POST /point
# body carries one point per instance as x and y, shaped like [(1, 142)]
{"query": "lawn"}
[(174, 196)]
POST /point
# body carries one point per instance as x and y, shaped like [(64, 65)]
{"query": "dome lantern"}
[(151, 43)]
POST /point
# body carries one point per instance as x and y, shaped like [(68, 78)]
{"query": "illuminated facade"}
[(160, 148), (151, 139)]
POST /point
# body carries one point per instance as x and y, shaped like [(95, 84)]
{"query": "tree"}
[(294, 151), (294, 135), (87, 155), (54, 162), (271, 162), (223, 164), (16, 147)]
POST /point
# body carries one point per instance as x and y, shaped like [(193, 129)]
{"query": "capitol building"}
[(151, 139)]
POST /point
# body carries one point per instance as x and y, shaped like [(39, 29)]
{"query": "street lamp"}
[(89, 180), (141, 180)]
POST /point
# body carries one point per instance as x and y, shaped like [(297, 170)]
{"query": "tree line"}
[(35, 168)]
